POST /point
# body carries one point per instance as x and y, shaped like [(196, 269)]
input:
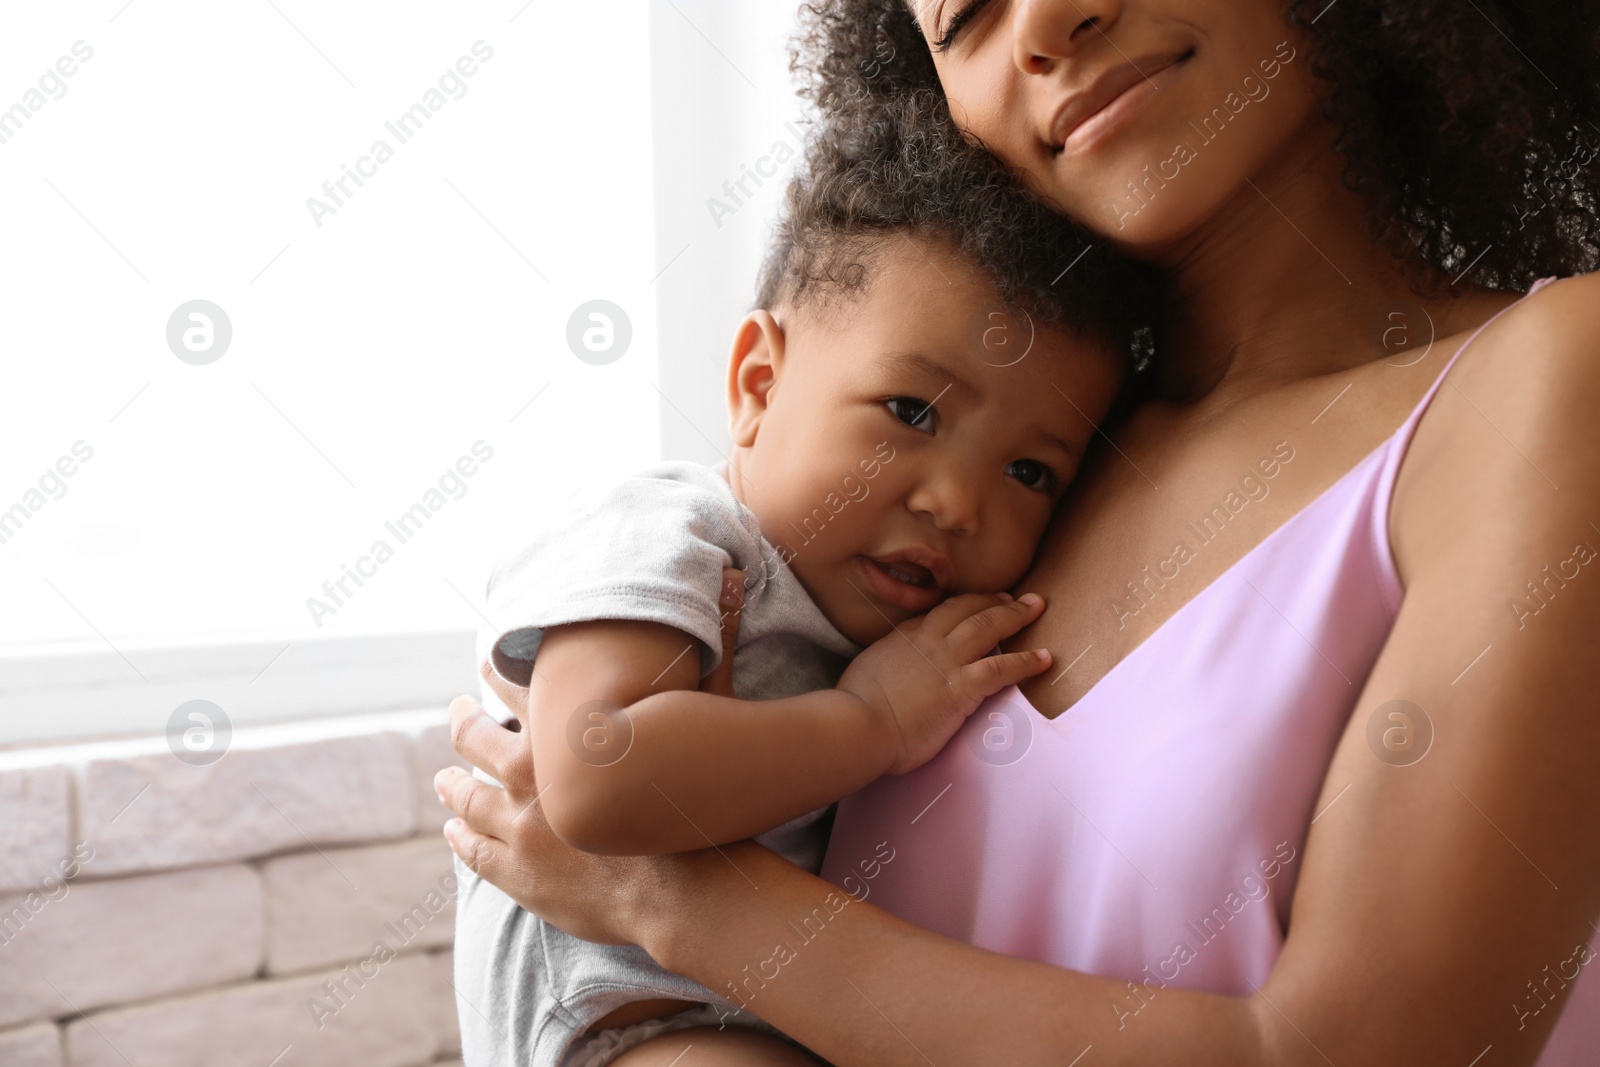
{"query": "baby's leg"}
[(733, 1046)]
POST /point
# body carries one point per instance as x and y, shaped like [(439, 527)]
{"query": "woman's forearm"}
[(866, 989)]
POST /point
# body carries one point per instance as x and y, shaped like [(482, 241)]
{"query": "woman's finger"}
[(482, 854), (486, 744), (479, 804), (720, 681)]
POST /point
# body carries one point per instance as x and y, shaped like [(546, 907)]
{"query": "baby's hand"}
[(922, 681)]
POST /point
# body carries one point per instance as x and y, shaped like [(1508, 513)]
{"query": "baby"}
[(907, 404)]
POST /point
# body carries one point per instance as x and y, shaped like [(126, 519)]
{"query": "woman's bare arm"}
[(1433, 898)]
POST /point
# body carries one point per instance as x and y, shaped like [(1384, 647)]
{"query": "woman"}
[(1325, 603)]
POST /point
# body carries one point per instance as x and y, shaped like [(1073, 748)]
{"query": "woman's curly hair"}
[(899, 168), (1472, 130)]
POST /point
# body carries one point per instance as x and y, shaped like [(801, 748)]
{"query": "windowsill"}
[(70, 693)]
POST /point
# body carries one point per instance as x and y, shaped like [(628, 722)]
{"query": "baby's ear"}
[(753, 365)]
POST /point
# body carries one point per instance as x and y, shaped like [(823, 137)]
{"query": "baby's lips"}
[(933, 568), (918, 574), (890, 590)]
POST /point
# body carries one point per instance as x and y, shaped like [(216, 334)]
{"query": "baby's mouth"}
[(901, 584), (910, 573)]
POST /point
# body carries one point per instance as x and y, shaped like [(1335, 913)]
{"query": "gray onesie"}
[(651, 548)]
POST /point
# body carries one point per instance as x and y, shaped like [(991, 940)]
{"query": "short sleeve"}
[(650, 549)]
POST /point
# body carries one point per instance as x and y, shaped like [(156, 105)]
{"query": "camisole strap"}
[(1401, 441)]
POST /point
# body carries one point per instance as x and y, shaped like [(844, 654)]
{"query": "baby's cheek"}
[(1003, 563)]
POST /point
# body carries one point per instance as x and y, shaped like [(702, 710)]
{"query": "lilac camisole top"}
[(1155, 830)]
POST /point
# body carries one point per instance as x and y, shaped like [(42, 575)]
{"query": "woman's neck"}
[(1283, 284)]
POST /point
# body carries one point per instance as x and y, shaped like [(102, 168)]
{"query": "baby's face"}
[(912, 444)]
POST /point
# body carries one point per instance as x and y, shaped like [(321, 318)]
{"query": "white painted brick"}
[(130, 939), (385, 1020), (446, 1024), (254, 801), (31, 1046), (36, 824), (432, 751), (328, 907)]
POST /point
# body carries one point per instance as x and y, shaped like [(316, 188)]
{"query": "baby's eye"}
[(1031, 473), (918, 414)]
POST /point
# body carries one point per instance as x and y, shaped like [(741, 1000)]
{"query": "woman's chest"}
[(1172, 504), (1177, 792)]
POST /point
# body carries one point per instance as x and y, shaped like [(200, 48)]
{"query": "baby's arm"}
[(703, 769), (699, 769)]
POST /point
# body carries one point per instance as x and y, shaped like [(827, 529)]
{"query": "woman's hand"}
[(502, 834)]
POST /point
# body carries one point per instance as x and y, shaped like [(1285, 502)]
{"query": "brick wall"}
[(290, 905)]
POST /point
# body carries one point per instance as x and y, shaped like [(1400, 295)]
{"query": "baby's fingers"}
[(981, 631), (993, 673)]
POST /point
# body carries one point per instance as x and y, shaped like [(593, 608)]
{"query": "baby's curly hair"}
[(1471, 130), (899, 168)]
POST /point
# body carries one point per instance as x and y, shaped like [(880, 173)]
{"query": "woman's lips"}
[(892, 590), (1120, 110)]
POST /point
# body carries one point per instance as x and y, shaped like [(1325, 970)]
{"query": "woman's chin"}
[(1148, 221)]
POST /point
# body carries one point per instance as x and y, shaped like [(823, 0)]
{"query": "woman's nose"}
[(1046, 31)]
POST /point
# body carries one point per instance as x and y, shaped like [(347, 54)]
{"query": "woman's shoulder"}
[(1502, 453), (1555, 330), (1538, 362)]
